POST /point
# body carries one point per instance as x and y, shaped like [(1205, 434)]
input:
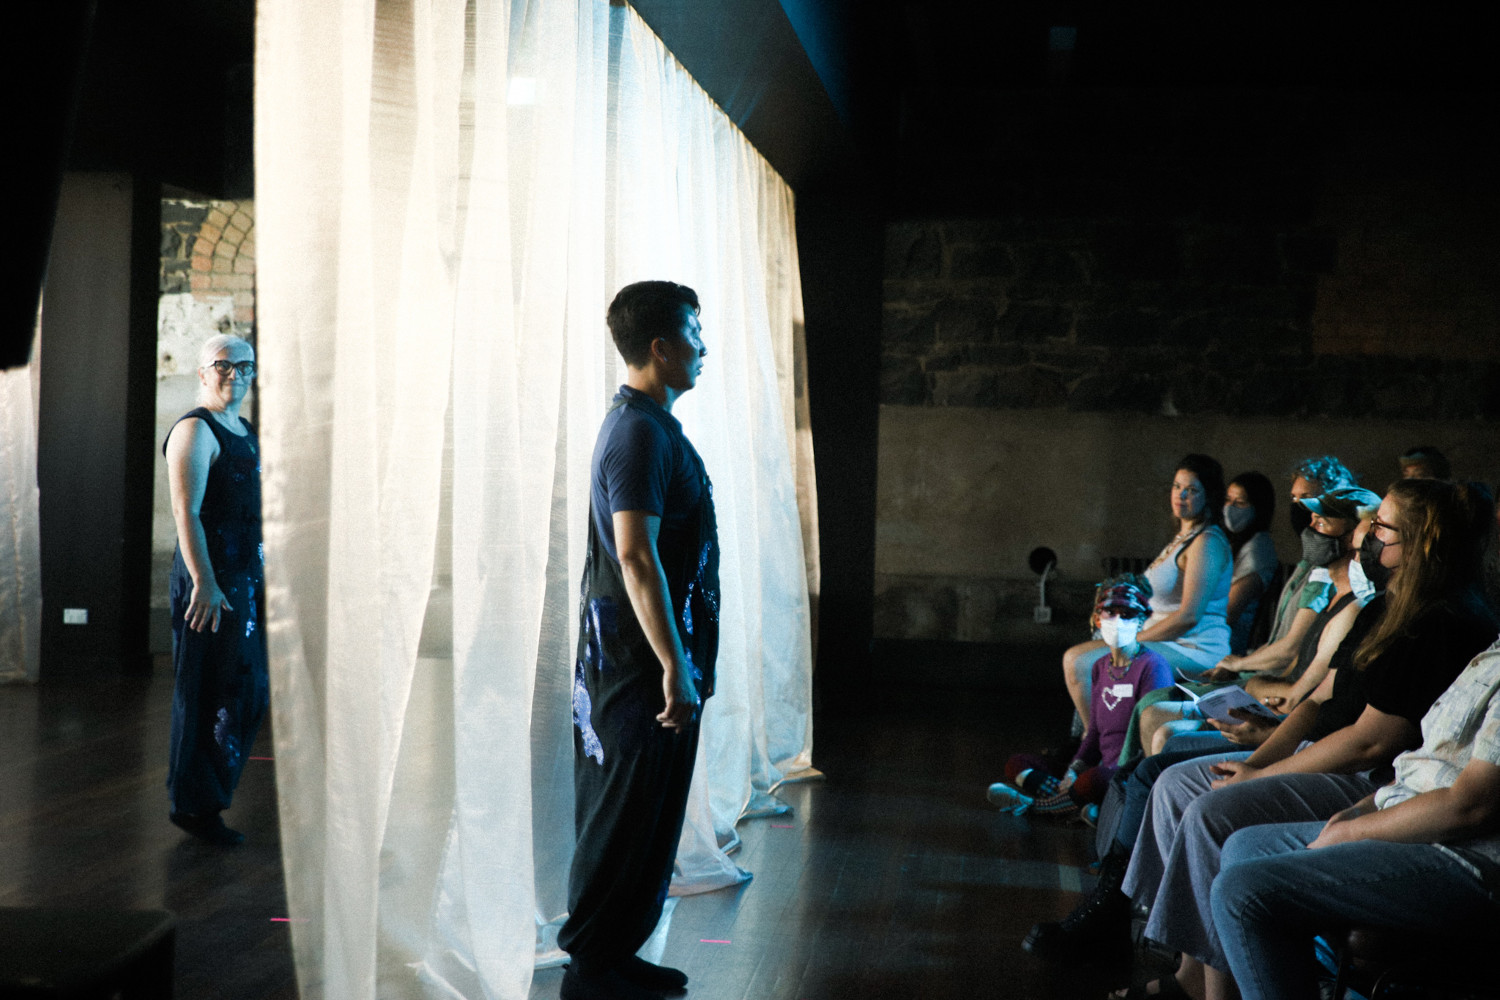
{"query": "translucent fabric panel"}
[(440, 233), (20, 527)]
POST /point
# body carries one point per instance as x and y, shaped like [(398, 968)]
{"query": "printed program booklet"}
[(1216, 704)]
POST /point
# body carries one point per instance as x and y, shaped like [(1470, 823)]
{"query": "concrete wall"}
[(1259, 279), (966, 493)]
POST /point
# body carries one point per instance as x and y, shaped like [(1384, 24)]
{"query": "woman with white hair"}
[(218, 645)]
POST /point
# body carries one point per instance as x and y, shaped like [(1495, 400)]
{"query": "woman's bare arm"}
[(191, 450)]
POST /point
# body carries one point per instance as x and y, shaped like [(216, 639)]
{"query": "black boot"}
[(1098, 928)]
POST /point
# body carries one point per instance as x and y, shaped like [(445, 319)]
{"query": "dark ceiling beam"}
[(747, 55)]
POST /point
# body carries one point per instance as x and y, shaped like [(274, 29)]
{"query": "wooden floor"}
[(893, 878)]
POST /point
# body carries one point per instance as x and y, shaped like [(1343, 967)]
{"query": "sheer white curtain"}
[(448, 194), (20, 526)]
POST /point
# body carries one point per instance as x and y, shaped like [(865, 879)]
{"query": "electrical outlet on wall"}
[(75, 616)]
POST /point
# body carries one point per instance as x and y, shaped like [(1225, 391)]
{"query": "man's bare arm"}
[(646, 585)]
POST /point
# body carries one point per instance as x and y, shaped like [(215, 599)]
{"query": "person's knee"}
[(1153, 717), (1159, 714), (1180, 782), (1231, 892), (1159, 739), (1260, 687), (1169, 729)]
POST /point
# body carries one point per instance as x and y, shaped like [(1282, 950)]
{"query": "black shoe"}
[(606, 985), (1098, 928), (661, 978), (210, 829)]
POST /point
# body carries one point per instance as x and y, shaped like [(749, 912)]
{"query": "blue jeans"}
[(1136, 783), (1273, 895)]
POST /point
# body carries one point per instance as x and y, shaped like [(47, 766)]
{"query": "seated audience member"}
[(1431, 536), (1189, 582), (1302, 596), (1312, 477), (1125, 671), (1328, 547), (1343, 587), (1099, 925), (1249, 504), (1379, 862), (1424, 462)]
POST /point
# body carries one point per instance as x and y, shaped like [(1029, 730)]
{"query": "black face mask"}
[(1301, 518), (1320, 550), (1369, 561)]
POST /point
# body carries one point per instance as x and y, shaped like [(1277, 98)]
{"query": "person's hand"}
[(1232, 772), (1339, 829), (1251, 731), (1282, 704), (205, 604), (1223, 672), (1065, 782), (681, 697)]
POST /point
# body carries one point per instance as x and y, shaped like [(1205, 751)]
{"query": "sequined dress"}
[(222, 688)]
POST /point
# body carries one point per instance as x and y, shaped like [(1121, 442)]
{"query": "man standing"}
[(648, 637)]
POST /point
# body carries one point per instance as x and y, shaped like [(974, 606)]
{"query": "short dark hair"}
[(643, 311), (1425, 454)]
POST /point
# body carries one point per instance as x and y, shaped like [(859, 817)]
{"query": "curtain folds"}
[(20, 526), (448, 195)]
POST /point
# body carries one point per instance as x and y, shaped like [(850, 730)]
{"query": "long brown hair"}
[(1445, 529)]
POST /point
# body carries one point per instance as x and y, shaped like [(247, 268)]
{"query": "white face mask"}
[(1119, 633), (1359, 583), (1237, 519)]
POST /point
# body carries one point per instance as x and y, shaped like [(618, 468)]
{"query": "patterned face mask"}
[(1319, 550)]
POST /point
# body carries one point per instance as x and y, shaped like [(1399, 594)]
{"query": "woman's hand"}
[(1221, 674), (1251, 731), (1232, 772), (205, 605)]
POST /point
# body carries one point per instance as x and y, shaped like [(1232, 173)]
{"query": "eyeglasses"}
[(1378, 525), (245, 369)]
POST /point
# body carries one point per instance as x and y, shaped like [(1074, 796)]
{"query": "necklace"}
[(1111, 669), (1182, 538)]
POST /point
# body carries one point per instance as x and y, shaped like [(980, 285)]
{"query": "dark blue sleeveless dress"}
[(222, 687)]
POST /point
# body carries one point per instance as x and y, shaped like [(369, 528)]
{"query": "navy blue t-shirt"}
[(642, 461)]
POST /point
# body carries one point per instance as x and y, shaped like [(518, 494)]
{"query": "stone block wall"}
[(1320, 280)]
